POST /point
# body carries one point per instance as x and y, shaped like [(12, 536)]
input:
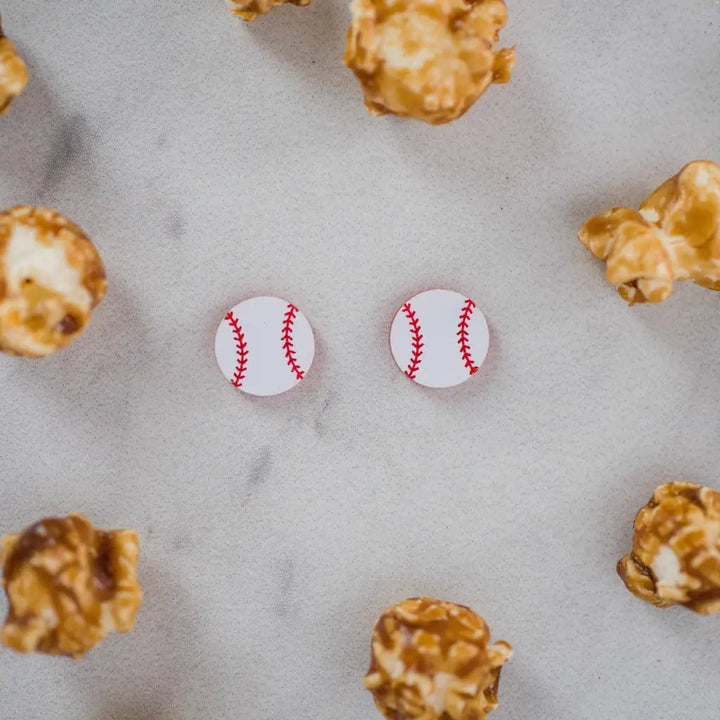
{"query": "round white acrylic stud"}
[(264, 346), (439, 338)]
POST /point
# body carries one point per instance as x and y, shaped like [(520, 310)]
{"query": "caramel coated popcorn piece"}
[(51, 278), (427, 59), (13, 73), (250, 9), (432, 660), (674, 236), (68, 586), (676, 549)]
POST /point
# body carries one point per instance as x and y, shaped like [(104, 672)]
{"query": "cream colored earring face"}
[(439, 338), (264, 346)]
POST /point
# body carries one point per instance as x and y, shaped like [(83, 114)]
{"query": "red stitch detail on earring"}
[(241, 350), (464, 337), (287, 341), (417, 343)]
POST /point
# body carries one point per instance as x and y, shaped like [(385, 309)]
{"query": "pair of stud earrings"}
[(265, 345)]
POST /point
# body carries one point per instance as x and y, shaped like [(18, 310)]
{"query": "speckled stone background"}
[(210, 161)]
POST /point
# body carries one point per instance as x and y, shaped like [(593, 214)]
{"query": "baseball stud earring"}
[(439, 338), (264, 346)]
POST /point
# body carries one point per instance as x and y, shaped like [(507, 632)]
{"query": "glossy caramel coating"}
[(674, 236), (675, 558), (13, 73), (427, 59), (68, 585), (432, 660), (250, 9), (51, 279)]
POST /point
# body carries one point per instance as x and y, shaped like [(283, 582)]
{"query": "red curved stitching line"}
[(464, 337), (417, 343), (241, 350), (287, 341)]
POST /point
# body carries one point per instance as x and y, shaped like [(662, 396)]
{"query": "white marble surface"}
[(211, 161)]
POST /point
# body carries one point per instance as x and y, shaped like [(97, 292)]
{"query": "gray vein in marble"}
[(286, 571), (71, 143), (175, 225), (257, 476), (260, 470), (322, 420)]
